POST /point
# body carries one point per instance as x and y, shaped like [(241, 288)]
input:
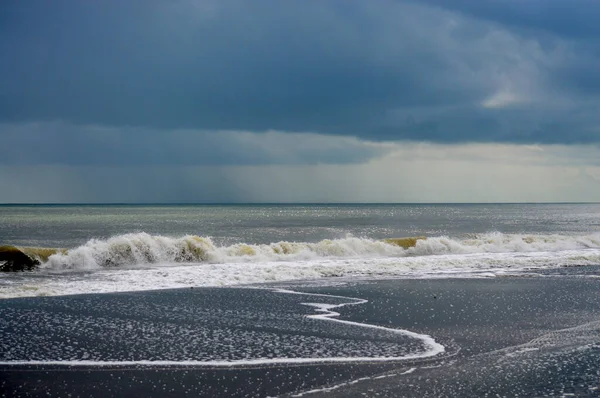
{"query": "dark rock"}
[(13, 259)]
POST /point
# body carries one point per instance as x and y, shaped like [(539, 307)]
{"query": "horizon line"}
[(277, 203)]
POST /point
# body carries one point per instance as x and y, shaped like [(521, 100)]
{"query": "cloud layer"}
[(75, 145), (463, 71), (265, 100), (409, 172)]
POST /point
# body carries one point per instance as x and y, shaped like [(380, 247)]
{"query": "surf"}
[(142, 249)]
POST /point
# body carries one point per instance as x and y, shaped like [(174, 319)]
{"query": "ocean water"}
[(495, 300), (114, 248)]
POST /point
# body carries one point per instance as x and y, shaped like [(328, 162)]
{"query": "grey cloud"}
[(141, 184), (67, 144), (415, 172), (544, 20), (380, 70), (526, 123), (571, 18)]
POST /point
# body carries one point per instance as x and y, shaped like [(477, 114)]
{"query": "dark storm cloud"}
[(61, 143), (545, 20), (577, 19), (381, 70)]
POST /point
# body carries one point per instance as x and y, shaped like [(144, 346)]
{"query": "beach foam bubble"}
[(50, 282)]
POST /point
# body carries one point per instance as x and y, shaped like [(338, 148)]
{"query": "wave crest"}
[(143, 248)]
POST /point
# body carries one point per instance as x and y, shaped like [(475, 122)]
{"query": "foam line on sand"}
[(324, 313)]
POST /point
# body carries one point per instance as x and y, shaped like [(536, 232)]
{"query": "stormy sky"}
[(299, 101)]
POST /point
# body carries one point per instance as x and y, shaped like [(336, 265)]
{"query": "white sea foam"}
[(166, 276), (142, 248), (352, 382), (136, 262), (429, 347), (432, 347)]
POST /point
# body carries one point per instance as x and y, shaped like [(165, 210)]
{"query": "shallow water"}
[(498, 299), (531, 336)]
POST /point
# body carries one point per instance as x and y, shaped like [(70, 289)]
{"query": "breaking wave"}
[(143, 249), (138, 262)]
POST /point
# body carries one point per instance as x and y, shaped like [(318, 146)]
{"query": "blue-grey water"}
[(73, 225), (326, 287), (141, 247)]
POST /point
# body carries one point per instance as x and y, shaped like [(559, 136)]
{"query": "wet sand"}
[(488, 328)]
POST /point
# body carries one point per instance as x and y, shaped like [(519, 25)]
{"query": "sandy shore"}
[(265, 342)]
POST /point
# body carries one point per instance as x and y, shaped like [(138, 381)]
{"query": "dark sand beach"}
[(528, 335)]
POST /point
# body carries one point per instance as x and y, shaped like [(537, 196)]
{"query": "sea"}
[(114, 248), (257, 300)]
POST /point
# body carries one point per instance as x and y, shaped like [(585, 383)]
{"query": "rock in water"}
[(13, 258)]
